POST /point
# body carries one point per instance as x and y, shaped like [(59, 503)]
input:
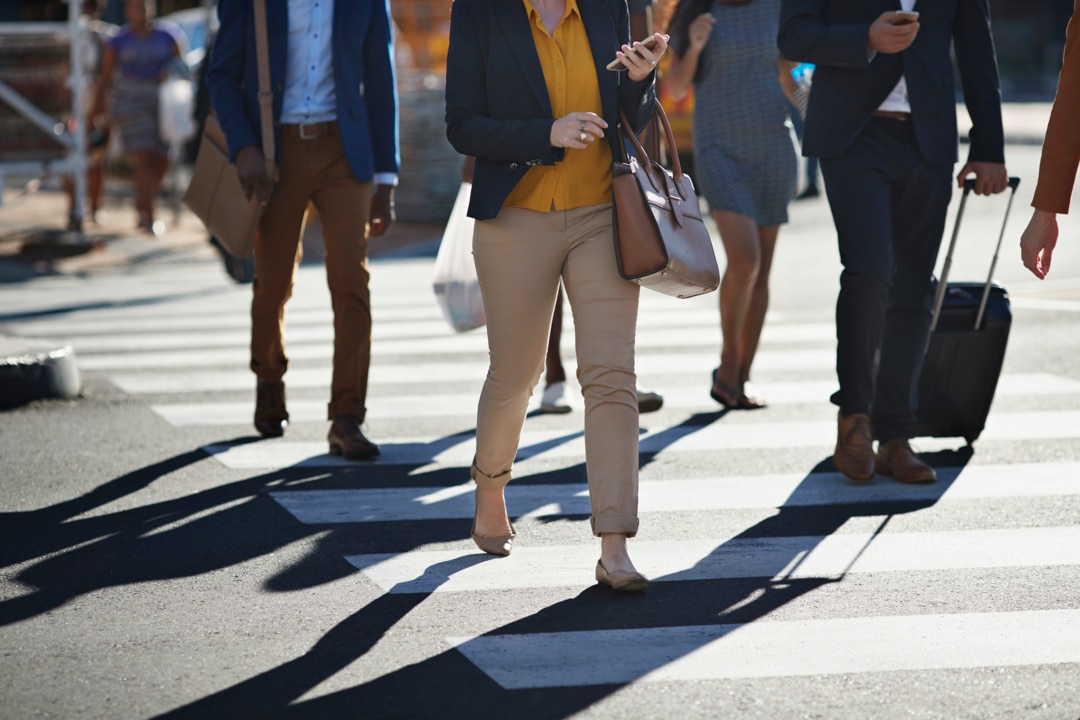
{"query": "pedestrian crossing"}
[(789, 521)]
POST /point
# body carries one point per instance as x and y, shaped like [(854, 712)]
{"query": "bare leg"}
[(95, 185), (150, 166), (613, 553), (755, 313), (739, 235), (491, 517)]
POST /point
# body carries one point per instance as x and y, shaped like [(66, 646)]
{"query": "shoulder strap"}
[(266, 95)]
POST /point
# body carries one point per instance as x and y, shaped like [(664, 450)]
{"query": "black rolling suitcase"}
[(968, 334)]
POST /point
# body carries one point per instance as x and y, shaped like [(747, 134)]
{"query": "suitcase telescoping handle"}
[(943, 281)]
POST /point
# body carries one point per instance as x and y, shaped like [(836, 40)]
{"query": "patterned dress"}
[(141, 61), (744, 147)]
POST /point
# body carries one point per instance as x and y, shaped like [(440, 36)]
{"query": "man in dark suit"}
[(882, 119), (335, 122)]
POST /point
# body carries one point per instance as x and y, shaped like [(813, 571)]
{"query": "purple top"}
[(145, 57)]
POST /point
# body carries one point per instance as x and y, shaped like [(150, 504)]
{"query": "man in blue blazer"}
[(335, 125), (882, 119)]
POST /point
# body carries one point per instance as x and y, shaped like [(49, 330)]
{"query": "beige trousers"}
[(520, 257), (315, 170)]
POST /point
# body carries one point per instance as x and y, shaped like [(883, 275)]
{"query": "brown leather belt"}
[(309, 131), (893, 114)]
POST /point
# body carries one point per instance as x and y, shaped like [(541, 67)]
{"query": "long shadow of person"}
[(271, 692), (68, 550), (73, 551), (561, 660)]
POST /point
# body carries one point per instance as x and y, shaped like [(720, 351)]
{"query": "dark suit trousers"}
[(889, 208), (317, 171)]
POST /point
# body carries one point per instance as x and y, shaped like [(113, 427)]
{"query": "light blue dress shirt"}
[(309, 95), (309, 72)]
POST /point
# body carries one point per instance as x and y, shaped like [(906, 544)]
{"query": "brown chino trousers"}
[(314, 169), (520, 257)]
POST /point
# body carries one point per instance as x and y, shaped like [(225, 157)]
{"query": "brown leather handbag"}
[(215, 194), (661, 241)]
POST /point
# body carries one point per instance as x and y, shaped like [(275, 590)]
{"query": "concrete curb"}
[(34, 370)]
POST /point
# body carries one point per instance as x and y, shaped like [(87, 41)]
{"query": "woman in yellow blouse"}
[(528, 95)]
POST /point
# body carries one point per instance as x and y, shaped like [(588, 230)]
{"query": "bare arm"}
[(680, 75), (108, 63)]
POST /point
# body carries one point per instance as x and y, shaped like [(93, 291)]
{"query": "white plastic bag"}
[(455, 283), (176, 110)]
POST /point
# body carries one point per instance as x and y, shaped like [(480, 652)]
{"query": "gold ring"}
[(583, 137)]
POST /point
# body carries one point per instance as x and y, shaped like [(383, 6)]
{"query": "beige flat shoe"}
[(621, 581)]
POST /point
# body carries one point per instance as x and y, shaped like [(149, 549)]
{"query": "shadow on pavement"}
[(449, 685)]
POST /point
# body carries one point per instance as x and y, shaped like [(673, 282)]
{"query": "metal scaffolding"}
[(72, 138)]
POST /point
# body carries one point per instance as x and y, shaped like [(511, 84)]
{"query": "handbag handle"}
[(669, 137), (266, 94)]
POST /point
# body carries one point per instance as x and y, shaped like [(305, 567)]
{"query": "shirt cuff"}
[(384, 178)]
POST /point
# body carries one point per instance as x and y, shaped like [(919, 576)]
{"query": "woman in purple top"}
[(135, 63)]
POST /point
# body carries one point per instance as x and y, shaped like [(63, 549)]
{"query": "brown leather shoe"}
[(896, 458), (271, 417), (854, 455), (347, 440)]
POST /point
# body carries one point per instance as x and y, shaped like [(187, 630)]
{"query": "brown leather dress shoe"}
[(347, 440), (854, 455), (896, 458), (271, 417)]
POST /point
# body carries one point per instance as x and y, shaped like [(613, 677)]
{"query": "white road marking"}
[(783, 558), (734, 435), (777, 648), (319, 507)]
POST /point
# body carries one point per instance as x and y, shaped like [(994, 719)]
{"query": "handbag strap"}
[(266, 95), (660, 117)]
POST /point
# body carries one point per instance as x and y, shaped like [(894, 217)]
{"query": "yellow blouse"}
[(583, 177)]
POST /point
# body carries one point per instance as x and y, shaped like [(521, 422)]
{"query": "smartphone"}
[(903, 17), (617, 63)]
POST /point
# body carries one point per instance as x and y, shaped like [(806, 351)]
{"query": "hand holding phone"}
[(894, 31), (903, 17), (617, 64)]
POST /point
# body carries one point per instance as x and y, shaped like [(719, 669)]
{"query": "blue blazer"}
[(848, 87), (364, 83), (497, 104)]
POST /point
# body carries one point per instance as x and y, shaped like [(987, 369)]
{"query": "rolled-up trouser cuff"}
[(489, 482), (621, 524)]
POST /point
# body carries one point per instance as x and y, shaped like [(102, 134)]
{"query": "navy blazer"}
[(848, 87), (497, 104), (364, 83)]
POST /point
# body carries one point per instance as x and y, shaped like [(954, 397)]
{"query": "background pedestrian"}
[(744, 160)]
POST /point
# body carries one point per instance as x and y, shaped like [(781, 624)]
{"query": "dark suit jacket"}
[(848, 87), (364, 84), (1061, 148), (497, 105)]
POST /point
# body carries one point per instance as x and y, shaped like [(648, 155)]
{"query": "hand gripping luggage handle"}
[(943, 281)]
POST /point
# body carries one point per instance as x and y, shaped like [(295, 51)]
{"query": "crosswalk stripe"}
[(222, 318), (210, 354), (783, 558), (396, 504), (389, 321), (394, 351), (734, 435), (464, 404), (780, 648)]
